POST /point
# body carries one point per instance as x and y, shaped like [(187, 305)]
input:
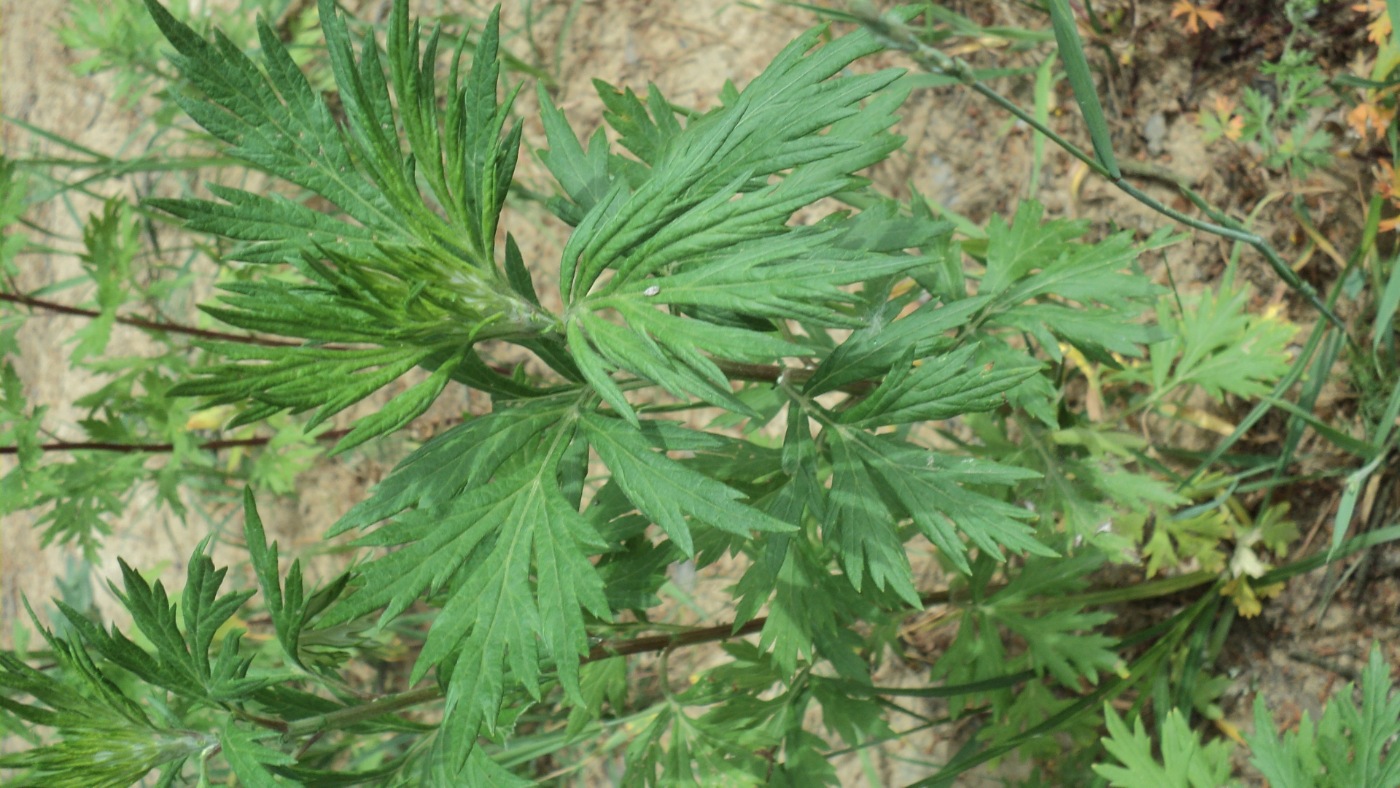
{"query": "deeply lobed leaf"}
[(392, 269)]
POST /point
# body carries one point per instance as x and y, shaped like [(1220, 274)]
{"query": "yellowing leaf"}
[(210, 418), (1230, 731), (1247, 598), (1380, 26)]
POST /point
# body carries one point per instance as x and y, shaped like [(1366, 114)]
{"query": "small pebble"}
[(1155, 132)]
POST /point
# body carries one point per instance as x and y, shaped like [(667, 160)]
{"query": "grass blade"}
[(1077, 69)]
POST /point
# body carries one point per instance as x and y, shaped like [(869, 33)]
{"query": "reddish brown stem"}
[(158, 448), (641, 645), (620, 648), (401, 701), (149, 325), (759, 373), (763, 373)]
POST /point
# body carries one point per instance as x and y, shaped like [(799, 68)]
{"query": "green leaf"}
[(1061, 639), (811, 611), (111, 243), (933, 389), (667, 491), (860, 529), (691, 751), (583, 175), (1089, 295), (861, 523), (411, 272), (14, 199), (443, 766), (204, 612), (296, 140), (1186, 763), (401, 409), (276, 122), (1014, 252), (709, 188), (298, 379), (797, 275), (1064, 644), (1290, 760), (940, 494), (855, 719), (453, 462), (100, 734), (500, 611), (644, 129), (287, 602), (702, 221), (1183, 536), (663, 349), (84, 493), (183, 662), (1386, 306), (249, 758), (1082, 81), (1218, 345), (1351, 745), (879, 345), (473, 137), (511, 554)]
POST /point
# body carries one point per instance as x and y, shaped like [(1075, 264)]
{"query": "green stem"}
[(119, 167), (1166, 586), (341, 718)]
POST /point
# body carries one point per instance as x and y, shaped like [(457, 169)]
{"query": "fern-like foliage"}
[(408, 276), (1185, 762), (532, 529), (107, 736), (1351, 745), (700, 223)]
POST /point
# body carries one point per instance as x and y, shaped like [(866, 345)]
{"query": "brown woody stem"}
[(158, 448), (149, 325)]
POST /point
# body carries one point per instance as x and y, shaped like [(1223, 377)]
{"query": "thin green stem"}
[(1166, 586), (118, 167), (388, 704), (897, 36)]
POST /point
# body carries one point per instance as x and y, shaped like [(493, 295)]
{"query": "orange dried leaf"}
[(1380, 26), (1234, 129), (1224, 109), (1196, 16), (1368, 118)]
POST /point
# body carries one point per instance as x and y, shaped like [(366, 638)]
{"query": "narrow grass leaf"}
[(1082, 81)]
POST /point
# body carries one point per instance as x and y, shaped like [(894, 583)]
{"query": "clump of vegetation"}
[(901, 395)]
